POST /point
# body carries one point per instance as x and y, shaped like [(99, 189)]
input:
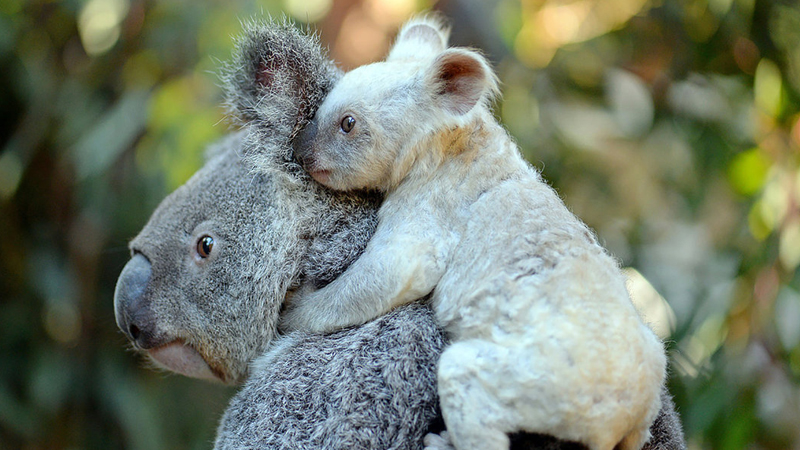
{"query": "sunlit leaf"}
[(99, 24), (651, 305), (767, 87), (748, 171), (308, 10), (789, 247)]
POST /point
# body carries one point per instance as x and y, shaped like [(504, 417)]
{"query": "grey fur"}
[(271, 233), (272, 60), (365, 387), (371, 388)]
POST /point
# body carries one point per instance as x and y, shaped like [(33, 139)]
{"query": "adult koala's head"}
[(203, 290)]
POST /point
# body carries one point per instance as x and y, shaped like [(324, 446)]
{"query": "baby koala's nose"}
[(303, 145)]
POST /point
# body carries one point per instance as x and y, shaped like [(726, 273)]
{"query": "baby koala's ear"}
[(277, 77), (421, 37), (459, 79)]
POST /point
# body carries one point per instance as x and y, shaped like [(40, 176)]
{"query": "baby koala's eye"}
[(348, 123), (204, 246)]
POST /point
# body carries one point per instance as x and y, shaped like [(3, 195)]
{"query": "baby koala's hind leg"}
[(441, 441), (634, 440), (487, 391), (475, 417)]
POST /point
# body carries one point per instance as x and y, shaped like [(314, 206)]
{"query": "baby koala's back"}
[(517, 245), (522, 257), (529, 276)]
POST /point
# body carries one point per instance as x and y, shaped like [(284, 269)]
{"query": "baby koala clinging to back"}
[(545, 337)]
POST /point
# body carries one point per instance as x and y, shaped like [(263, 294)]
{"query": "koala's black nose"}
[(131, 306), (302, 144)]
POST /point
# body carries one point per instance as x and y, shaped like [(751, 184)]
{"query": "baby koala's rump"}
[(545, 337)]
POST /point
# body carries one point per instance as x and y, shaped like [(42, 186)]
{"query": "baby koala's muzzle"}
[(302, 145)]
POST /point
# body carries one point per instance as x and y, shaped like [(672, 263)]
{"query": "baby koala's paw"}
[(441, 441), (308, 311), (300, 315)]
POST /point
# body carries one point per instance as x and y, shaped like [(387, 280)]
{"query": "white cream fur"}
[(545, 337)]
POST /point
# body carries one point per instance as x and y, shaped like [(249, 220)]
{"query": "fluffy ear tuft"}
[(277, 77), (461, 79), (421, 37)]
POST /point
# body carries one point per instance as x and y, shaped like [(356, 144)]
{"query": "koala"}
[(545, 338), (203, 290), (216, 303), (209, 238)]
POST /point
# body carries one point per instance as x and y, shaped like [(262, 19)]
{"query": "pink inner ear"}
[(462, 78), (265, 77)]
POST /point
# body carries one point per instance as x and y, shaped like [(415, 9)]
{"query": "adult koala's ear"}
[(459, 79), (421, 37), (277, 77)]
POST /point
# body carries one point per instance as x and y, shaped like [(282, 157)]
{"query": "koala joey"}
[(544, 336)]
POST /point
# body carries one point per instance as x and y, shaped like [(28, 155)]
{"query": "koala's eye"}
[(204, 246), (348, 123)]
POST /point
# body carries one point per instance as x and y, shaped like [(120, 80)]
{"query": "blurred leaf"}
[(748, 171), (707, 406), (787, 317), (789, 247), (630, 101), (739, 429), (116, 132), (124, 397), (759, 227), (17, 416), (768, 87), (52, 380)]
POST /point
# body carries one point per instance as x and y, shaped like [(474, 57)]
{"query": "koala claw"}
[(441, 441)]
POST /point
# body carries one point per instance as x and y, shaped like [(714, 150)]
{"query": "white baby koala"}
[(544, 336)]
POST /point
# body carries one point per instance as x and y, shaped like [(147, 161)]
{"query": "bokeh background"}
[(671, 126)]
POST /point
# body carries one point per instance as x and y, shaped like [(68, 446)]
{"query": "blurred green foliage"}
[(671, 127)]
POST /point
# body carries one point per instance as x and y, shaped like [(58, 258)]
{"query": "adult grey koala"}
[(202, 293)]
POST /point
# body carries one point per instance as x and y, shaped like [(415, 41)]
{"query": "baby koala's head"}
[(379, 118)]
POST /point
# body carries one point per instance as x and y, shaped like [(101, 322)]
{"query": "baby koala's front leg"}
[(397, 267)]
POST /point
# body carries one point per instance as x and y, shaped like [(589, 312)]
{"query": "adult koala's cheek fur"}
[(270, 233), (184, 301)]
